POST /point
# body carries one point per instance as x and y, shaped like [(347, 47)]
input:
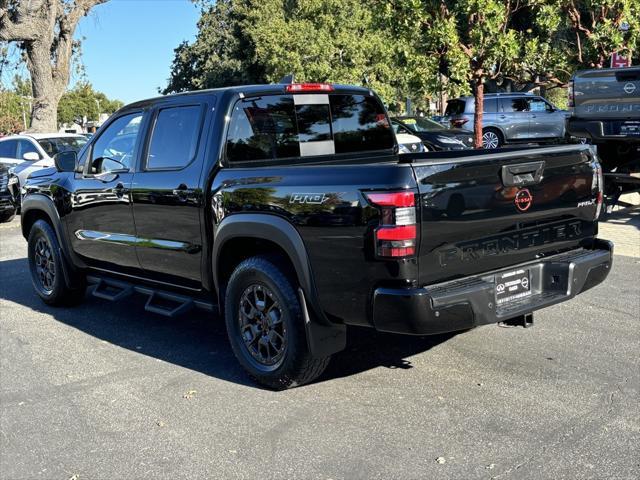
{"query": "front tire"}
[(47, 267), (266, 327)]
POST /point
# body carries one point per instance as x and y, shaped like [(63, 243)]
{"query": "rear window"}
[(455, 107), (510, 105), (286, 126)]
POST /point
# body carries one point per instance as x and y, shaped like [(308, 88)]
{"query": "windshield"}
[(418, 124), (53, 145)]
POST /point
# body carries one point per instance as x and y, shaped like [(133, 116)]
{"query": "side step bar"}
[(162, 302)]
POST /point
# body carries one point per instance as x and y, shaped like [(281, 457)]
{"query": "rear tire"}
[(491, 139), (266, 327), (47, 267)]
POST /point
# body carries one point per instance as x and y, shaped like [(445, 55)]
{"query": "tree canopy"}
[(83, 101), (404, 47)]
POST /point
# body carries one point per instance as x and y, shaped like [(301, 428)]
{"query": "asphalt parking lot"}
[(107, 391)]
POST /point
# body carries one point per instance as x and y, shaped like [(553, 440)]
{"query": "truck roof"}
[(250, 91), (605, 72)]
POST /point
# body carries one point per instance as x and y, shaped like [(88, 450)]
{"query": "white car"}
[(28, 152)]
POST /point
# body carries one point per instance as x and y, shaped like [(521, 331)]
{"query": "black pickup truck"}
[(287, 209), (605, 108)]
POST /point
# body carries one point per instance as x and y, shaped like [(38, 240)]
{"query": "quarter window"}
[(175, 136)]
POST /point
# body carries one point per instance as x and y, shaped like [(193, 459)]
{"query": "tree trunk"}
[(46, 91), (477, 116), (44, 30)]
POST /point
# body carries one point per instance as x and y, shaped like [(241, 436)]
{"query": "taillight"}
[(308, 87), (397, 234), (458, 123), (597, 187), (571, 99)]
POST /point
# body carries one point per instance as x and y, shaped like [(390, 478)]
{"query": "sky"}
[(128, 44)]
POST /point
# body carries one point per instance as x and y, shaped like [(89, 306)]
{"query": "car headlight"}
[(448, 140), (13, 180), (403, 149)]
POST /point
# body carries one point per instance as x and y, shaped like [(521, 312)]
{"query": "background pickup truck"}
[(605, 107), (287, 209)]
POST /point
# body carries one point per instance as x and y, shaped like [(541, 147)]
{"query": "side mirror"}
[(31, 157), (109, 165), (65, 161)]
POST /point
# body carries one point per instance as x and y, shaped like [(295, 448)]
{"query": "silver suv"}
[(510, 118)]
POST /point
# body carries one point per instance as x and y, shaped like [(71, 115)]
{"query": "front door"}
[(167, 196), (100, 223), (544, 120)]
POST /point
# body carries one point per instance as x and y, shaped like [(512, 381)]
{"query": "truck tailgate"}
[(607, 94), (491, 210)]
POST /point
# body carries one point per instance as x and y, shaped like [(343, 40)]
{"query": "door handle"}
[(182, 192), (119, 190), (503, 117)]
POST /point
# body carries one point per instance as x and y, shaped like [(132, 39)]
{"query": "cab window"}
[(175, 136), (115, 148)]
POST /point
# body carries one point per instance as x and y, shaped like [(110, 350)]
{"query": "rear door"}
[(514, 117), (167, 194), (474, 219)]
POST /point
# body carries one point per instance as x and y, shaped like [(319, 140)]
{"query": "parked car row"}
[(24, 154)]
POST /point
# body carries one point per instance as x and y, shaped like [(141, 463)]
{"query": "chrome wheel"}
[(490, 140), (45, 265), (261, 326)]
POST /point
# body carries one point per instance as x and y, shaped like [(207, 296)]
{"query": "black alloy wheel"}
[(263, 331), (265, 324), (45, 265), (49, 272)]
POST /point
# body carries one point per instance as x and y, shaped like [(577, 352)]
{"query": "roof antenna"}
[(287, 79)]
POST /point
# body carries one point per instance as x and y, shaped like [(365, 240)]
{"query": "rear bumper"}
[(599, 130), (470, 302)]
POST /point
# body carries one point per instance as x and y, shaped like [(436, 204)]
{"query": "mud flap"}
[(323, 340)]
